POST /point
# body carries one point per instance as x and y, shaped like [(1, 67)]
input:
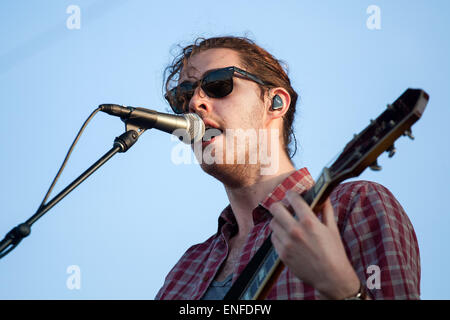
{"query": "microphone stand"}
[(121, 144)]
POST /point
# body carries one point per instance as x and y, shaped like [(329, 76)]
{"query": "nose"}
[(200, 102)]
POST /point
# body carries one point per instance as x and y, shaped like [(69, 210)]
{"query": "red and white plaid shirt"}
[(374, 228)]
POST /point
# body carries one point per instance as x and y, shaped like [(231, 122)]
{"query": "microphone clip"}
[(127, 139)]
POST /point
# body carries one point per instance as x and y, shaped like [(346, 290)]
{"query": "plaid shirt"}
[(374, 228)]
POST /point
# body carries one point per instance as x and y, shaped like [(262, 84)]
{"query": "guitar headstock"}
[(379, 136)]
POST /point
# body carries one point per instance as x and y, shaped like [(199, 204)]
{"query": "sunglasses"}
[(216, 83)]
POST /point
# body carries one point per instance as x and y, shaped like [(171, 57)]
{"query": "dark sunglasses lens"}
[(171, 98), (179, 97), (218, 84)]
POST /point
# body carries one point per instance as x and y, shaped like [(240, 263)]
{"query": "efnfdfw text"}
[(226, 309)]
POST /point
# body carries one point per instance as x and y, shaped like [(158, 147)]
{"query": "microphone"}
[(190, 124)]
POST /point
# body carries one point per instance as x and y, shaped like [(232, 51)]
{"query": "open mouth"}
[(210, 134)]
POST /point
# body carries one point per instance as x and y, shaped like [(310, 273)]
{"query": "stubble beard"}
[(234, 174)]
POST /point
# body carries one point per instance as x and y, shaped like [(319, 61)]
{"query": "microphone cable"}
[(68, 155), (52, 185)]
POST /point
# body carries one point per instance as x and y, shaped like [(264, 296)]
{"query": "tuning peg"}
[(409, 134), (375, 166), (391, 151)]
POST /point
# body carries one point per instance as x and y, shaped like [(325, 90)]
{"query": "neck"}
[(245, 198)]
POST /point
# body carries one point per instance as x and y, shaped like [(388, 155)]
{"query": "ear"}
[(283, 99)]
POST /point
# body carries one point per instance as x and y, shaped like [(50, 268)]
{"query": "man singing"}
[(237, 87)]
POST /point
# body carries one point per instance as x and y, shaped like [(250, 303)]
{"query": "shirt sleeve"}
[(379, 240), (176, 284)]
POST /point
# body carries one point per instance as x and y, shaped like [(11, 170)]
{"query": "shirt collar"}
[(299, 181)]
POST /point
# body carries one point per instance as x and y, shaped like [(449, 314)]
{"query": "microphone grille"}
[(196, 126)]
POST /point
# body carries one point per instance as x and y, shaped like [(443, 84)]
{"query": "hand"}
[(311, 249)]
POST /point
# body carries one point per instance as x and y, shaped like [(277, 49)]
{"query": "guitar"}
[(263, 270)]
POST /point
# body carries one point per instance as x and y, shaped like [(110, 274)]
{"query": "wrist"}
[(360, 295), (342, 290)]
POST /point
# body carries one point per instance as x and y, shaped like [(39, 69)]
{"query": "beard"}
[(233, 175), (231, 159)]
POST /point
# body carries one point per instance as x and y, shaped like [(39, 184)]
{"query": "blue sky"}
[(128, 224)]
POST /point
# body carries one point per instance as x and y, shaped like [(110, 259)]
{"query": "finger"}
[(278, 231), (300, 206), (275, 226), (328, 214), (282, 215), (283, 244), (276, 242)]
